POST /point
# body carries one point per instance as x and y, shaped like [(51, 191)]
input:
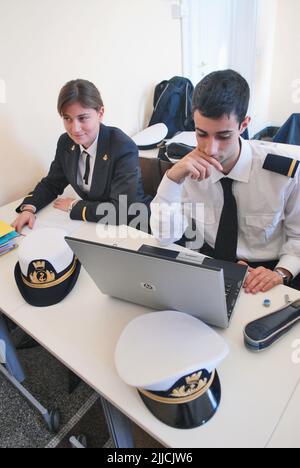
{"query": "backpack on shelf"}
[(173, 105)]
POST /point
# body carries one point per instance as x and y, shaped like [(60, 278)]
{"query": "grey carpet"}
[(47, 379), (21, 426)]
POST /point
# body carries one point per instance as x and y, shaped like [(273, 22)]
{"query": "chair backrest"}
[(153, 170)]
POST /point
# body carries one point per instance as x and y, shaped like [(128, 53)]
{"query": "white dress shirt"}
[(268, 206), (92, 151)]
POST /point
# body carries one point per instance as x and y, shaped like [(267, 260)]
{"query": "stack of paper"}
[(7, 238)]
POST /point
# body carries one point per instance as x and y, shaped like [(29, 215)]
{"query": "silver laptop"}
[(163, 279)]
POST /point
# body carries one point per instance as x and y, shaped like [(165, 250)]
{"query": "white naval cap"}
[(171, 358), (151, 136), (47, 243), (47, 269)]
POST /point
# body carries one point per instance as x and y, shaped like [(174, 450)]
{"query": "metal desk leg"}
[(52, 418), (8, 354), (79, 442), (11, 369), (120, 427)]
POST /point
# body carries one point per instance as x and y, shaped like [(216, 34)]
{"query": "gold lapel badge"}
[(105, 158), (73, 148)]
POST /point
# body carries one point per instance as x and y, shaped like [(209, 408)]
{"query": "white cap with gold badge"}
[(47, 269), (171, 358)]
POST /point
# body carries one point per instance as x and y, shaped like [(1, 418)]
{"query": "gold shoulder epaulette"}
[(281, 165)]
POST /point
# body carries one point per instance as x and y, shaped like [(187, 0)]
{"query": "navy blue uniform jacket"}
[(116, 172)]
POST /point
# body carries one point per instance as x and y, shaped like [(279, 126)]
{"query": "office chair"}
[(153, 170)]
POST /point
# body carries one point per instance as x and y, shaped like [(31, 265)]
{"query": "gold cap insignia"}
[(194, 383), (39, 265), (41, 275), (193, 379)]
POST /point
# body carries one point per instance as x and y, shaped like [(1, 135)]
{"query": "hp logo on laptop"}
[(148, 287)]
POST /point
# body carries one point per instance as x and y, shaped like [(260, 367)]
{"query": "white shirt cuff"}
[(290, 263), (31, 207)]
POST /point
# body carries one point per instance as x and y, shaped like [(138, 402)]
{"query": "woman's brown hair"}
[(81, 91)]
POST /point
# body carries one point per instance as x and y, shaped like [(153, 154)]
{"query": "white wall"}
[(276, 93), (285, 91), (265, 48), (124, 46)]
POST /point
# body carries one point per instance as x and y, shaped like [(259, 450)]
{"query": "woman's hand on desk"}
[(260, 279), (26, 218), (63, 204)]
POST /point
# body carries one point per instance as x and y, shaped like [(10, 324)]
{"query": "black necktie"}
[(87, 168), (227, 236)]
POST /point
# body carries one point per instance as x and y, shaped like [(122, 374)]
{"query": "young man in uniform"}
[(249, 189)]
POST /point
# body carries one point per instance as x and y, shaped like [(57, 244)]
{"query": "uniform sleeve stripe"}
[(84, 214), (292, 168), (296, 167)]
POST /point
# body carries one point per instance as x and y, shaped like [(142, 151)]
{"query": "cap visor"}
[(187, 415)]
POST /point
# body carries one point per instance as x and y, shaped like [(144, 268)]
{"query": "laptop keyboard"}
[(232, 290), (228, 288)]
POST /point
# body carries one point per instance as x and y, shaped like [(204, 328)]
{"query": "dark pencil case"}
[(265, 331)]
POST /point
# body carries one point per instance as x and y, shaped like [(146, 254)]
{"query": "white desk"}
[(83, 330), (287, 434)]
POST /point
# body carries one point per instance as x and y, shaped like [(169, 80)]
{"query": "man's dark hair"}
[(81, 91), (221, 93)]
